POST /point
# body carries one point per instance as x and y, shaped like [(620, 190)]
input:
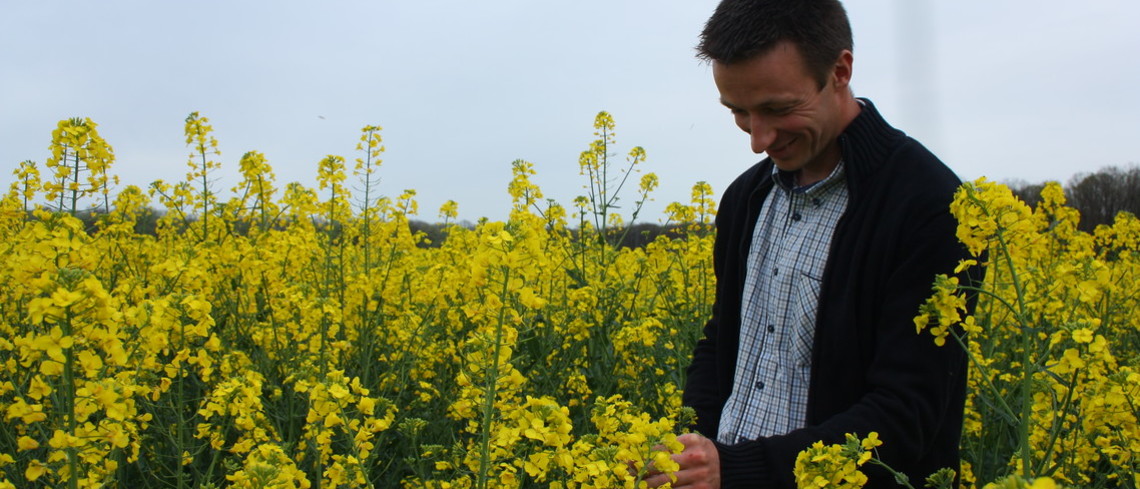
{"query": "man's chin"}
[(786, 165)]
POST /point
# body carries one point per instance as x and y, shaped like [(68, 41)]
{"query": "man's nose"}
[(763, 134)]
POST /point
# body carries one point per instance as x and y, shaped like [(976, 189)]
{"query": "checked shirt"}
[(790, 245)]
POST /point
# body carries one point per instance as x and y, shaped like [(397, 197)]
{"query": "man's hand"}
[(700, 465)]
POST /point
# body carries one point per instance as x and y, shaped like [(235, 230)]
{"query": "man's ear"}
[(841, 71)]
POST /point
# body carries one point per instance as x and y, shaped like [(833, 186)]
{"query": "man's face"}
[(780, 104)]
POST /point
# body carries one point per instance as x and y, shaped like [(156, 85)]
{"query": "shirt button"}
[(796, 216), (775, 272), (759, 384), (815, 201), (771, 328)]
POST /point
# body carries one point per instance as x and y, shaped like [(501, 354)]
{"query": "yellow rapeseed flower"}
[(54, 343), (35, 470), (25, 443)]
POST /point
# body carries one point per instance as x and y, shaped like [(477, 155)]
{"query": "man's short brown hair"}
[(741, 29)]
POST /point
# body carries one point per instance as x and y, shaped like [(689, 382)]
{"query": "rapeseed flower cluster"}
[(824, 466), (1054, 379), (306, 337), (79, 163)]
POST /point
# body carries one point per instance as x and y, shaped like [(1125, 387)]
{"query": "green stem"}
[(900, 478), (1058, 421), (69, 406), (205, 193), (1009, 411), (1026, 343), (1026, 357), (180, 446), (490, 391), (75, 190)]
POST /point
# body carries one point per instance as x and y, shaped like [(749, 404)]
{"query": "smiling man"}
[(824, 252)]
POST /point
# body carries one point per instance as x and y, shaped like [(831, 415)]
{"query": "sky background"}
[(1010, 90)]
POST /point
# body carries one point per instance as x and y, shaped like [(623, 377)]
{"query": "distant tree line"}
[(1098, 196), (433, 234), (636, 236)]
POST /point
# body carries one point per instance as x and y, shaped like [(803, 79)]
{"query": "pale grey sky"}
[(1001, 88)]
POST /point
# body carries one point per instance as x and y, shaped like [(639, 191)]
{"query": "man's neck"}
[(851, 109)]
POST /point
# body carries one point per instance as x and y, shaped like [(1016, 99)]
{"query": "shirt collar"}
[(786, 180)]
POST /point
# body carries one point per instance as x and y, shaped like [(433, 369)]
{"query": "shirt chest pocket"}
[(805, 304)]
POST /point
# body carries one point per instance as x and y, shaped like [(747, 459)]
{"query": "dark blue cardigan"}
[(870, 370)]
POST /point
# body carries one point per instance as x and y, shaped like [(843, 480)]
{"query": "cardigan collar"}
[(866, 143)]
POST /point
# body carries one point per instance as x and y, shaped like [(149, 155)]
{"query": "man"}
[(824, 252)]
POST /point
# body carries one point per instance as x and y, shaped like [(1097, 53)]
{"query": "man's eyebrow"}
[(765, 105), (729, 105)]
